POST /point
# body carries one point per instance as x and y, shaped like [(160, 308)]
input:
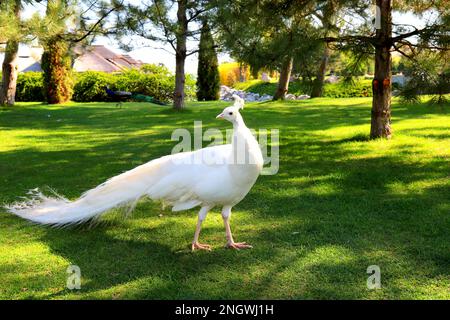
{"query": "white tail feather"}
[(120, 190)]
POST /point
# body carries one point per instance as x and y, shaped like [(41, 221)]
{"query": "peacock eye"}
[(230, 113)]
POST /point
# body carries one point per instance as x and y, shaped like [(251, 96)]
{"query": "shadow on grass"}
[(316, 226)]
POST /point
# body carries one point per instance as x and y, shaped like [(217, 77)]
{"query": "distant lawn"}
[(360, 88), (339, 204)]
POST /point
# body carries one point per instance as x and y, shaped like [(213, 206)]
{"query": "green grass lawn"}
[(339, 204), (359, 88)]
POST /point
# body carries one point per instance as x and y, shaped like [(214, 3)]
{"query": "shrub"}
[(156, 69), (359, 88), (156, 85), (90, 86), (152, 80), (190, 87), (159, 85), (30, 87), (229, 73)]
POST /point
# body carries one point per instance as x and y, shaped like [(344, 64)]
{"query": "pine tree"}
[(266, 34), (428, 73), (327, 13), (58, 39), (388, 37), (56, 64), (155, 21), (208, 78)]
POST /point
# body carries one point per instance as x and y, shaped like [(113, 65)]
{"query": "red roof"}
[(100, 58)]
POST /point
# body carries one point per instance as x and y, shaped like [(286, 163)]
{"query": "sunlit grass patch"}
[(339, 203)]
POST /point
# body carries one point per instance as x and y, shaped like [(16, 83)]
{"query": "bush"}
[(361, 88), (156, 85), (159, 85), (229, 73), (151, 80), (190, 87), (30, 87), (90, 86)]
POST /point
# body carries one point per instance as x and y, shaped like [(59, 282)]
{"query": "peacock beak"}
[(220, 116)]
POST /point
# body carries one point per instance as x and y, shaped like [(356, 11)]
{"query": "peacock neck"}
[(239, 123), (245, 147)]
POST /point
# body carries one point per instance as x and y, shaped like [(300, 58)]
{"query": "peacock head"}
[(232, 113)]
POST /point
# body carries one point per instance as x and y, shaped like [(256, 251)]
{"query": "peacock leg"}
[(201, 216), (226, 215)]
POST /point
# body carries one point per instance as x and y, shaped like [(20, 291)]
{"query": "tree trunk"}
[(9, 71), (56, 65), (9, 74), (180, 56), (242, 72), (317, 89), (283, 82), (381, 103), (254, 72)]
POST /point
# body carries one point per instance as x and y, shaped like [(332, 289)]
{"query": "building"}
[(100, 58), (92, 58)]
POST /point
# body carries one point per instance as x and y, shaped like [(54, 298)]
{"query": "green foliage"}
[(56, 64), (262, 33), (90, 86), (190, 87), (151, 80), (30, 87), (168, 22), (354, 65), (428, 73), (208, 78), (10, 24), (155, 69), (307, 59), (66, 23), (360, 88), (151, 84)]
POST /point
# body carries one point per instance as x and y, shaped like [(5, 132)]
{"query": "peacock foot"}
[(238, 245), (200, 246)]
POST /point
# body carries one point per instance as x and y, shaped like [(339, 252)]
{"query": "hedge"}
[(90, 86), (30, 87), (151, 80)]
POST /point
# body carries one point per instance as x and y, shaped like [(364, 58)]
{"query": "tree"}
[(266, 34), (381, 103), (9, 66), (65, 25), (153, 21), (390, 37), (56, 64), (208, 78), (283, 81), (327, 12), (428, 73)]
